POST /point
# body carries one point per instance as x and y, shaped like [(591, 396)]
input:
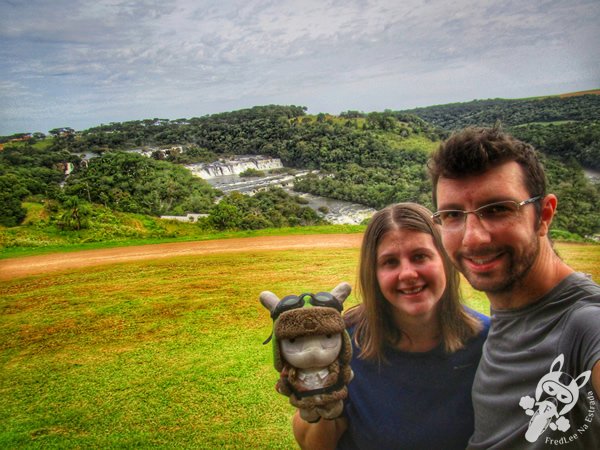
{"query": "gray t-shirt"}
[(533, 387)]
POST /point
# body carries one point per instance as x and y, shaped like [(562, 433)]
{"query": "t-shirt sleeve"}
[(583, 336)]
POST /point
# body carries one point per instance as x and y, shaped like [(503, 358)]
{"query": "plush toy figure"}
[(312, 350)]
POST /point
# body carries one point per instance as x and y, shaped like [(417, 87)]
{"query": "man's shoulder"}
[(584, 283), (580, 329), (585, 312), (584, 301), (577, 290)]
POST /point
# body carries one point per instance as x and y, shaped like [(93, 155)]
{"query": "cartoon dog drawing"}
[(556, 394)]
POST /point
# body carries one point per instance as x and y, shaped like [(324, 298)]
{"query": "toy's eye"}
[(330, 341), (292, 345)]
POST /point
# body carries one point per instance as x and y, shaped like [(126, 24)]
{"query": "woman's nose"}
[(407, 271)]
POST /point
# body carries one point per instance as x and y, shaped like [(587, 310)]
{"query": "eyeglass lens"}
[(290, 302), (492, 214), (325, 299), (287, 303)]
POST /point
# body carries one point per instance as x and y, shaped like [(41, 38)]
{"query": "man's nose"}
[(475, 232)]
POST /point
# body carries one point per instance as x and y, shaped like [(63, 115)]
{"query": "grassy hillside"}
[(579, 93), (107, 228), (164, 353)]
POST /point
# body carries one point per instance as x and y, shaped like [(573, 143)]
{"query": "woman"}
[(416, 348)]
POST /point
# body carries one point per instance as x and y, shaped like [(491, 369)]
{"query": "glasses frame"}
[(290, 302), (478, 212)]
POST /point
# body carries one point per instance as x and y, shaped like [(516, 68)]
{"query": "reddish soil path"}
[(33, 265)]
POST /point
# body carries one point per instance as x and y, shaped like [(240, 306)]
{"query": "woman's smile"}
[(410, 273)]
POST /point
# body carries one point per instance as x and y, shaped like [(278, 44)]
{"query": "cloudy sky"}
[(80, 63)]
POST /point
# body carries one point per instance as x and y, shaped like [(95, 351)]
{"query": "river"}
[(224, 175)]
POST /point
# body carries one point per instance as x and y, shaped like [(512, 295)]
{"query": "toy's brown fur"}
[(328, 403)]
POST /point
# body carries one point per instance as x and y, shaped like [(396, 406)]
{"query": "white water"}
[(592, 174), (234, 166), (339, 212)]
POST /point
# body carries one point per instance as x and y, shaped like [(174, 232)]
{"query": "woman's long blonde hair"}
[(372, 319)]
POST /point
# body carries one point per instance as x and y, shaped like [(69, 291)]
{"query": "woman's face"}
[(410, 273)]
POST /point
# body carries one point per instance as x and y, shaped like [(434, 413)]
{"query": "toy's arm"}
[(321, 435), (283, 384)]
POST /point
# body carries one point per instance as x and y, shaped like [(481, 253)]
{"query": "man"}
[(538, 381)]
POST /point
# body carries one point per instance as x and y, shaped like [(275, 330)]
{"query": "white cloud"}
[(95, 61)]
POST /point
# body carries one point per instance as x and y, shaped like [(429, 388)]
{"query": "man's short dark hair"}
[(474, 150)]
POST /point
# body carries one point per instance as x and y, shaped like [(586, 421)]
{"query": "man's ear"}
[(548, 205)]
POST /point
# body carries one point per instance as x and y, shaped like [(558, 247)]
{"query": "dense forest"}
[(565, 127), (370, 158), (511, 112)]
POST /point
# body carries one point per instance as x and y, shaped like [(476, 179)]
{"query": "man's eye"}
[(452, 215), (496, 210)]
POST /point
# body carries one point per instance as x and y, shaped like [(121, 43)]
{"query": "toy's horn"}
[(269, 300), (341, 291)]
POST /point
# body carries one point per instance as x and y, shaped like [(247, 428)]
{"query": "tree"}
[(225, 216), (76, 216), (12, 193)]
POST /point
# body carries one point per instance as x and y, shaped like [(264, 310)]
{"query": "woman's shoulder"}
[(482, 318), (479, 316)]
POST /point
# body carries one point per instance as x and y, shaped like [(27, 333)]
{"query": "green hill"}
[(373, 158)]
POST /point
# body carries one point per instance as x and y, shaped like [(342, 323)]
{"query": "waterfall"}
[(224, 176), (234, 166)]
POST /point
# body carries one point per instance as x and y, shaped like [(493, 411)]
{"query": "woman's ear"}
[(548, 205)]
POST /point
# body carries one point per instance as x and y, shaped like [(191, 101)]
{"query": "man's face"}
[(494, 258)]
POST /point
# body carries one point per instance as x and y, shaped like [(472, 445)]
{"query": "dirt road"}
[(33, 265)]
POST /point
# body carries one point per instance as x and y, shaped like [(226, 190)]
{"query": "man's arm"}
[(324, 434)]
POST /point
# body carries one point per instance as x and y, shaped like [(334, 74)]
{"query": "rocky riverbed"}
[(224, 175)]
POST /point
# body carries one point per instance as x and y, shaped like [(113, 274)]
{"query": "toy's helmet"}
[(308, 315)]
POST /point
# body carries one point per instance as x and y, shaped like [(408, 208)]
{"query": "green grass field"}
[(161, 354)]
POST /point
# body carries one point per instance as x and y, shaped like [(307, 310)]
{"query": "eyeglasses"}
[(493, 215), (298, 301)]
